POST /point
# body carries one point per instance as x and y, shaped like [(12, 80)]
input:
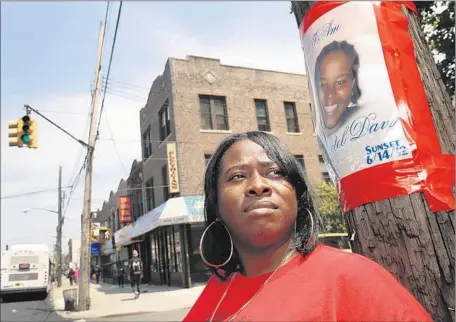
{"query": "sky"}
[(48, 59)]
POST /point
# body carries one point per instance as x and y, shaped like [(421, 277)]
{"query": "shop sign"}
[(173, 176), (125, 209)]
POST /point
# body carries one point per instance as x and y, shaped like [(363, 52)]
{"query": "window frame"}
[(294, 119), (150, 199), (301, 161), (266, 113), (146, 143), (165, 180), (212, 112), (164, 129)]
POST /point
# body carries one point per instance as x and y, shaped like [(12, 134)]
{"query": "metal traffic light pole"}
[(59, 232), (84, 286)]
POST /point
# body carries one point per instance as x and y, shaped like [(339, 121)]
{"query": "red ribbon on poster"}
[(370, 110)]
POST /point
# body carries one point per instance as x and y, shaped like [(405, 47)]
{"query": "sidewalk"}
[(110, 300)]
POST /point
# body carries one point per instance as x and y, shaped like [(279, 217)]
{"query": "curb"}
[(117, 315)]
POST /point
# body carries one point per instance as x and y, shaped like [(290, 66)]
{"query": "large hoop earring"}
[(311, 223), (311, 228), (201, 246)]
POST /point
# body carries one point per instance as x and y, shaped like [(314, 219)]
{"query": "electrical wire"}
[(84, 164), (32, 193), (110, 62), (104, 91)]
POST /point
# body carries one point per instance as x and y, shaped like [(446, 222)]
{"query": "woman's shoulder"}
[(335, 264)]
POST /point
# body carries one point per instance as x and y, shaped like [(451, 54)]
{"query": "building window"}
[(146, 143), (326, 177), (117, 219), (139, 203), (262, 115), (291, 117), (207, 158), (213, 113), (320, 158), (165, 183), (300, 160), (164, 119), (150, 195)]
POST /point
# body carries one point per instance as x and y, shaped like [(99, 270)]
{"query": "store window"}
[(154, 252), (178, 249)]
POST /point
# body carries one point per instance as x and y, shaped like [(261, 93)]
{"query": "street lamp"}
[(44, 209)]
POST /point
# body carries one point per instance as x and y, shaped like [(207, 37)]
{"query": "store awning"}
[(175, 211), (122, 236), (182, 210), (144, 224)]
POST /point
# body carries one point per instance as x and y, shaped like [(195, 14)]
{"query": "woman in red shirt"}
[(260, 244)]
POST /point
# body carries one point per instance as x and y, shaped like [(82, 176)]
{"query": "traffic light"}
[(28, 136), (15, 131), (24, 131)]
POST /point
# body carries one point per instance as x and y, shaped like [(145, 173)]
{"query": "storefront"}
[(167, 239), (108, 259)]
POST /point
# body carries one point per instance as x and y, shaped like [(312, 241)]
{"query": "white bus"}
[(25, 269)]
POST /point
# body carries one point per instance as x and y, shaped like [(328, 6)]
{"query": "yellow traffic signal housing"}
[(33, 133), (15, 132)]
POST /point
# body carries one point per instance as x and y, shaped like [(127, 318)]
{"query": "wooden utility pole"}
[(59, 231), (402, 233), (84, 286)]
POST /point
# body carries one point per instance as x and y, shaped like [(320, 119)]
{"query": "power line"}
[(124, 84), (31, 193), (110, 62), (106, 83), (62, 112)]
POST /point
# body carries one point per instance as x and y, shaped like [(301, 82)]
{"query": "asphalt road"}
[(177, 315), (28, 308)]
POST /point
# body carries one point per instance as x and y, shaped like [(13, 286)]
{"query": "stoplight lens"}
[(26, 118), (25, 138)]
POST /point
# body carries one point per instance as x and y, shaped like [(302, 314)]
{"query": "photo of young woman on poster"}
[(336, 79)]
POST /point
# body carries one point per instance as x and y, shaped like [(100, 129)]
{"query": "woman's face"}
[(257, 204), (336, 86)]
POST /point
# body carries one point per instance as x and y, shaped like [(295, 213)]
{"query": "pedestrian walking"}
[(71, 276), (135, 273), (76, 274), (97, 273), (120, 275)]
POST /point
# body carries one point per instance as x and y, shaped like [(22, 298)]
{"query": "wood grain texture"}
[(402, 234)]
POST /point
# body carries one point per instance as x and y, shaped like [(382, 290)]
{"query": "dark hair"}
[(217, 248), (352, 54)]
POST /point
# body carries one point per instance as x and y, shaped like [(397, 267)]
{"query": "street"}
[(27, 308), (175, 315)]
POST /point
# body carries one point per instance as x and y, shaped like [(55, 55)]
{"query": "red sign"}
[(125, 209), (24, 266)]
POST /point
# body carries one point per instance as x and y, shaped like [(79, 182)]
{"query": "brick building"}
[(195, 103)]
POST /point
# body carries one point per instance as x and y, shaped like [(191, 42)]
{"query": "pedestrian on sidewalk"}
[(97, 273), (135, 273), (120, 275), (76, 274), (71, 275)]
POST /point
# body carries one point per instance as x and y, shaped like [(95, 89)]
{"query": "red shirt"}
[(326, 285)]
